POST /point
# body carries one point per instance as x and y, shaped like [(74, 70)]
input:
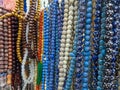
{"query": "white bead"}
[(65, 23), (68, 40), (69, 22), (68, 36), (68, 45), (66, 6), (63, 45), (71, 1), (70, 18), (64, 32), (61, 58), (61, 70), (69, 27), (64, 27), (66, 1), (62, 49), (65, 19), (69, 31), (66, 49), (65, 58), (63, 36), (63, 40), (66, 10), (71, 8), (70, 12), (65, 61), (66, 53), (60, 88), (60, 1), (65, 15)]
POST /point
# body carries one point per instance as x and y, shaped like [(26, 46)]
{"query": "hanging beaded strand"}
[(101, 49), (62, 48), (96, 39), (87, 52), (116, 40), (73, 52), (80, 44), (109, 72)]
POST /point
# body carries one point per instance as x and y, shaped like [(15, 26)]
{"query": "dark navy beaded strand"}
[(96, 34), (79, 59), (109, 66)]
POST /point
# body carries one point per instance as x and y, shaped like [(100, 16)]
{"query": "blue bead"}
[(72, 54), (86, 69), (99, 78), (86, 58), (89, 9), (89, 3), (86, 63), (87, 49), (87, 32), (85, 88), (100, 62), (85, 85), (85, 74), (85, 80), (99, 88), (88, 21), (88, 26), (87, 38), (89, 15), (87, 43)]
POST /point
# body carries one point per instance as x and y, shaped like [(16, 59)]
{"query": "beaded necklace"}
[(101, 49), (96, 39), (108, 78), (116, 39), (80, 43), (87, 52), (74, 51)]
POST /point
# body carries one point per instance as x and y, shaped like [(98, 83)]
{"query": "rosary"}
[(59, 44)]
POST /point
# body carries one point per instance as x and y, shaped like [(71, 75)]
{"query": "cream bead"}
[(65, 62), (66, 10), (66, 49), (68, 45), (68, 40), (63, 36), (65, 19), (61, 53), (71, 1), (62, 40), (70, 12), (64, 27), (62, 49), (60, 88), (70, 18), (64, 32), (61, 58), (66, 1), (65, 23), (66, 53), (69, 27), (71, 8), (69, 22), (65, 58), (61, 70), (63, 45), (60, 1), (66, 6), (68, 36), (69, 31), (65, 15)]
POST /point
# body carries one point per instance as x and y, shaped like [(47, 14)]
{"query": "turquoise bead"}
[(86, 63), (72, 54), (100, 67), (88, 26), (89, 4), (86, 69), (85, 80), (87, 32), (86, 58), (89, 15), (88, 21), (87, 38), (100, 62), (87, 49), (87, 43), (89, 9), (85, 74), (100, 56), (99, 88), (99, 78)]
